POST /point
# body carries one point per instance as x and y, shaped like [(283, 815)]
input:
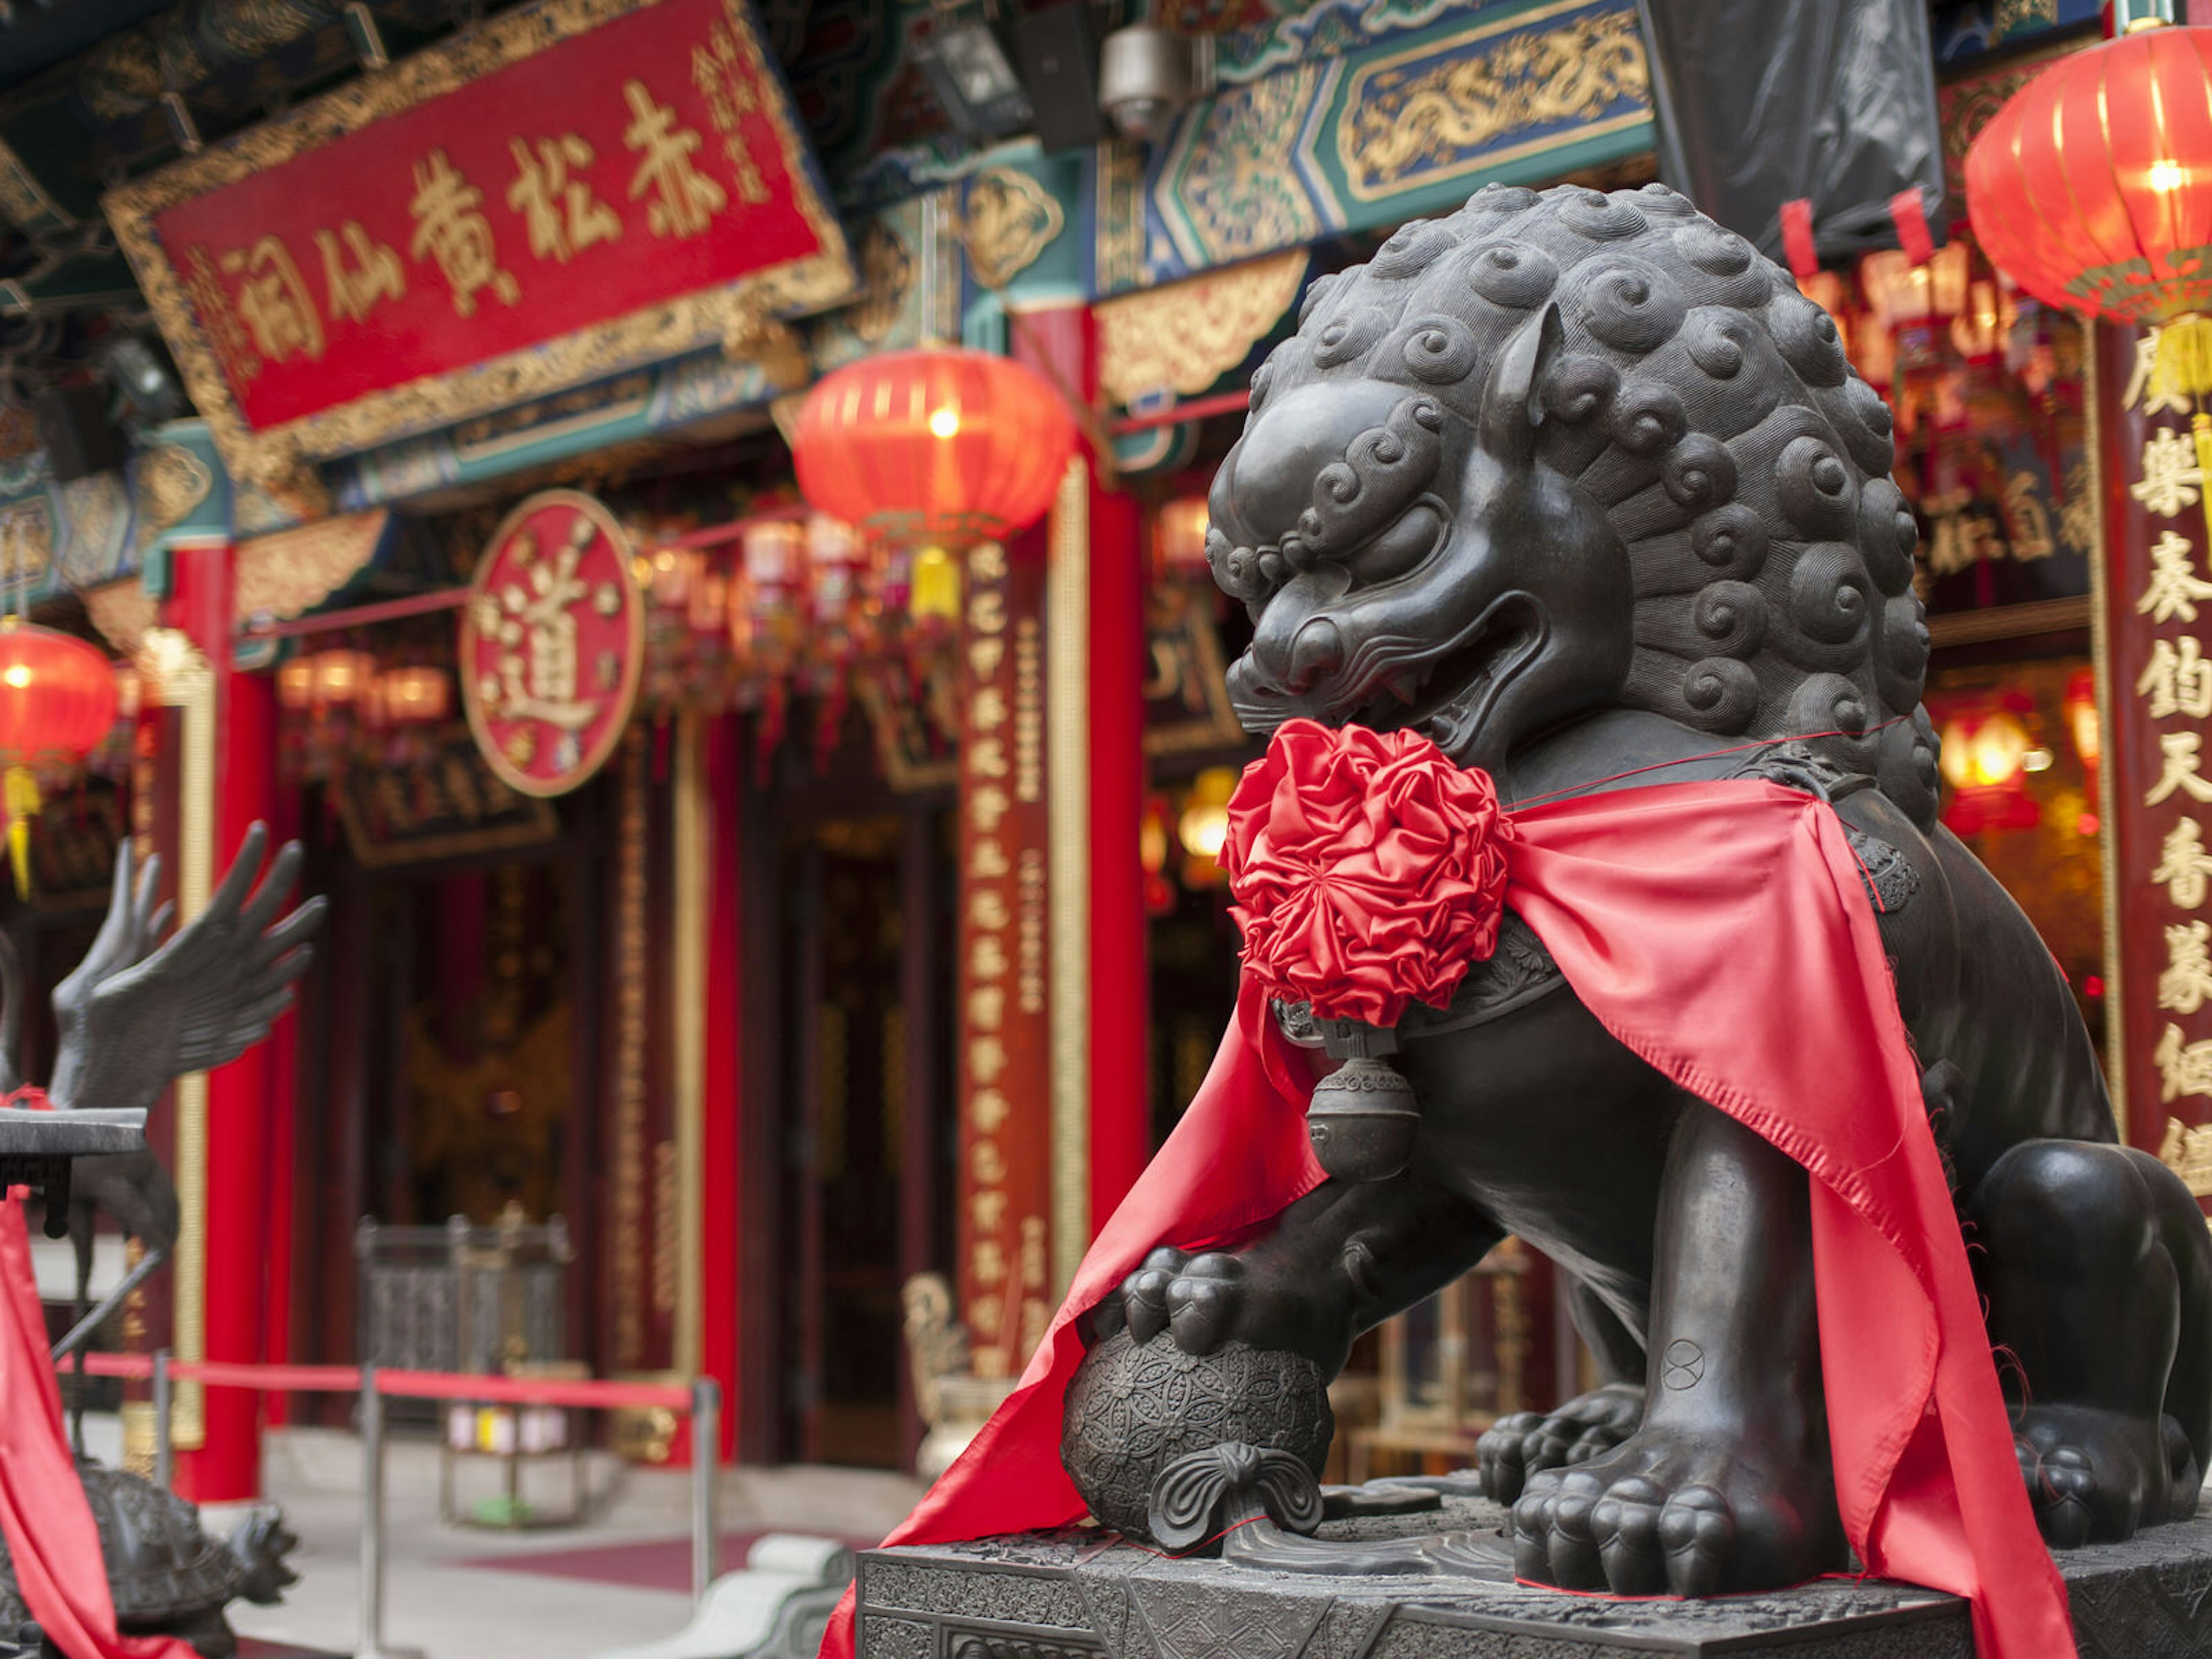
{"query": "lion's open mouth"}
[(1449, 696)]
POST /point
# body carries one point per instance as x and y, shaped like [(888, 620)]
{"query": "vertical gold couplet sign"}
[(2157, 689), (1006, 1064)]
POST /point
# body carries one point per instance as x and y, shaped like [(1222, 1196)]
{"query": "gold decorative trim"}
[(124, 612), (174, 674), (26, 201), (1067, 840), (737, 311), (2009, 622), (1427, 114), (693, 877), (290, 573), (1183, 336), (1006, 219), (626, 1222), (1221, 728), (2108, 819), (170, 482)]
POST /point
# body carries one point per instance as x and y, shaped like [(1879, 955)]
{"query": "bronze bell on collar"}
[(1364, 1120)]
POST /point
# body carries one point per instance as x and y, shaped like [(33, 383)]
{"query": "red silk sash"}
[(1721, 931), (53, 1538)]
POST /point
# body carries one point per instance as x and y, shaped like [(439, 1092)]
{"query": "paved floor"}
[(470, 1593)]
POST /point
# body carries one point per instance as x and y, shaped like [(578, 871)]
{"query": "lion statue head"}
[(1570, 450)]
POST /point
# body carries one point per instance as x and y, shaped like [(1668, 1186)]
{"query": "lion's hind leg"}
[(2098, 1271)]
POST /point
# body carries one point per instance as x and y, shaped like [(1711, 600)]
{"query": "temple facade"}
[(860, 922)]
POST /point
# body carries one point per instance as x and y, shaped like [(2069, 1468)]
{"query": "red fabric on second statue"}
[(1721, 932), (52, 1537)]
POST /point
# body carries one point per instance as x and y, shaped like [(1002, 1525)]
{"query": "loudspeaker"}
[(1059, 67), (72, 423)]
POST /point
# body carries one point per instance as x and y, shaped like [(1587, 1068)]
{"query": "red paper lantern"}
[(56, 698), (2091, 188), (57, 704), (934, 448)]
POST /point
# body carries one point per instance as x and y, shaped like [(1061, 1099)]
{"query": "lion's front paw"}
[(1670, 1511), (1519, 1445), (1195, 1298), (2097, 1476)]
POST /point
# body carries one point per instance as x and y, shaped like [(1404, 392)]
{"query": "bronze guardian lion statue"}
[(1579, 485)]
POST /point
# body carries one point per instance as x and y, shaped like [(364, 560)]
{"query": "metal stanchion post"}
[(705, 1464), (164, 1452), (372, 1525)]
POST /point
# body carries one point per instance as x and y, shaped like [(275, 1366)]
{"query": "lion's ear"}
[(1512, 399)]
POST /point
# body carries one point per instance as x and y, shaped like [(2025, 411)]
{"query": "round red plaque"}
[(551, 643)]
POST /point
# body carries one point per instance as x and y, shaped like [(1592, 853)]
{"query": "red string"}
[(30, 1096), (1691, 760), (1184, 1555)]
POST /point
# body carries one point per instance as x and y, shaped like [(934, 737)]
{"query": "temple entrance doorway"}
[(866, 1078)]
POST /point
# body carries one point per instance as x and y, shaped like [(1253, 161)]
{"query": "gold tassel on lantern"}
[(21, 800)]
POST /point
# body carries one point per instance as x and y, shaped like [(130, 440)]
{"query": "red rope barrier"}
[(530, 1391), (413, 1385)]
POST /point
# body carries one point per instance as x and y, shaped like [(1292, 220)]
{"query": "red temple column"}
[(1121, 1136), (1096, 602), (244, 1097), (721, 1142)]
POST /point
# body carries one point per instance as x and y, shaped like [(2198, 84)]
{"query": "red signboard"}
[(529, 206), (551, 643)]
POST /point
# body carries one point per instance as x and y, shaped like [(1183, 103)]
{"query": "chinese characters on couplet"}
[(562, 200), (2174, 697), (1005, 1272)]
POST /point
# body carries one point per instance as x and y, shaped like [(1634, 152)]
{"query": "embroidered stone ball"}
[(1132, 1409)]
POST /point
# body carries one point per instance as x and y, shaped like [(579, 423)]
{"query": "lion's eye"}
[(1408, 539)]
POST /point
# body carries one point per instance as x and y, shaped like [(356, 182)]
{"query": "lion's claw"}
[(1651, 1518), (1194, 1298), (1528, 1442)]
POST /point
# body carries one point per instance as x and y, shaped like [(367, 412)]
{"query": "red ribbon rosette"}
[(1369, 870)]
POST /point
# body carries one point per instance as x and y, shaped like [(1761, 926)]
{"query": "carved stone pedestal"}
[(1078, 1594)]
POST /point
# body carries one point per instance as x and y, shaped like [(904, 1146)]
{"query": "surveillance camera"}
[(1147, 74)]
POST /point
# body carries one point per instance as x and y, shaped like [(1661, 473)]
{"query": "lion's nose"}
[(1316, 653)]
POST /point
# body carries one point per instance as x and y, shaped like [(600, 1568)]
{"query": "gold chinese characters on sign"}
[(552, 641), (2161, 684), (1005, 1054), (462, 232)]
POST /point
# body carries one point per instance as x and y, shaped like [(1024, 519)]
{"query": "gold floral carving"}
[(290, 573), (280, 454), (172, 481), (27, 542), (1420, 113), (98, 508), (1185, 335), (1237, 181), (1119, 215), (1007, 221), (886, 274), (123, 611)]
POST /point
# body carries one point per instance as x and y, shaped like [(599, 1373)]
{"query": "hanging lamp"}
[(931, 451), (57, 701), (2092, 189)]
